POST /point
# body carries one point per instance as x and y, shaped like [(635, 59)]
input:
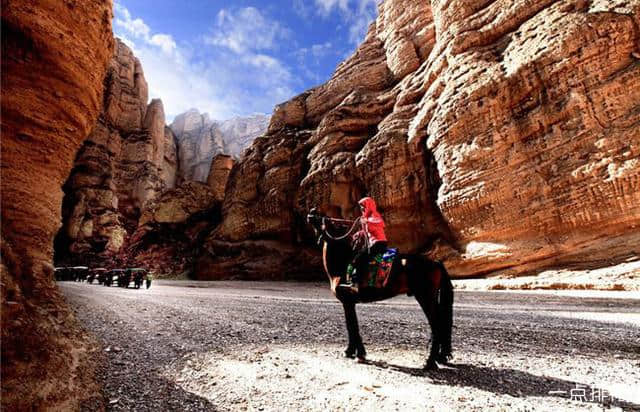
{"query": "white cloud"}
[(356, 14), (139, 30), (320, 50), (165, 41), (310, 59), (123, 19), (303, 8), (245, 30), (225, 78)]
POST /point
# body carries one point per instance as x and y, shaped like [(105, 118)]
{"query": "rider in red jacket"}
[(375, 240)]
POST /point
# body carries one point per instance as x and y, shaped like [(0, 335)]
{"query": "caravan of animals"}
[(500, 143)]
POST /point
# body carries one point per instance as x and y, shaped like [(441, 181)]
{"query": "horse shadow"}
[(507, 381)]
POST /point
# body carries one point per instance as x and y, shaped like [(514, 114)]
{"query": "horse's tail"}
[(445, 310)]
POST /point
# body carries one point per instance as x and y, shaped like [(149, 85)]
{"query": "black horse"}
[(415, 275)]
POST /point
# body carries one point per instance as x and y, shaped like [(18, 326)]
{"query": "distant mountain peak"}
[(200, 139)]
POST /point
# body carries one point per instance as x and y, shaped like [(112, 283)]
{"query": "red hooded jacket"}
[(372, 222)]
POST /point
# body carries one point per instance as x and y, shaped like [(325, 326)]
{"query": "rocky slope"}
[(200, 139), (172, 228), (173, 225), (52, 83), (495, 135), (128, 158)]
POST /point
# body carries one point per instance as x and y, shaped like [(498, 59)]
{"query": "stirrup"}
[(350, 286)]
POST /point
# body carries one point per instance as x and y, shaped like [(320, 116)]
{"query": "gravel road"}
[(276, 346)]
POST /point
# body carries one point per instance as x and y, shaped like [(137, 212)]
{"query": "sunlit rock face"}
[(533, 123), (54, 60), (494, 135), (201, 138), (128, 158)]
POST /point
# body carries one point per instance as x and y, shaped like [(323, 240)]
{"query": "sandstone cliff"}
[(172, 228), (128, 158), (219, 172), (200, 139), (494, 135), (52, 82)]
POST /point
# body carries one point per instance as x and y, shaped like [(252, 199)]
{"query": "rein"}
[(326, 232)]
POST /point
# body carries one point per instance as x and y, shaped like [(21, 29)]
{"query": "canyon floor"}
[(184, 345)]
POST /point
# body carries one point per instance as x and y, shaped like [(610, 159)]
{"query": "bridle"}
[(323, 236), (336, 238)]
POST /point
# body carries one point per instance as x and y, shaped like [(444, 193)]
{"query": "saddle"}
[(379, 269)]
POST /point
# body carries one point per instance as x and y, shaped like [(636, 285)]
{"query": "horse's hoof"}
[(349, 354), (361, 359), (431, 365)]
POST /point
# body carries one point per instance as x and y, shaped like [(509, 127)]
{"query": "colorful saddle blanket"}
[(380, 269)]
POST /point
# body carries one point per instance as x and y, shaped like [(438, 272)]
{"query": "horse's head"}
[(337, 252), (318, 222)]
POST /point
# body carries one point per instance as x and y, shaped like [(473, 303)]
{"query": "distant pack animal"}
[(416, 275)]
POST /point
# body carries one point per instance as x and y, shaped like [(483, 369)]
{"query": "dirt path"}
[(276, 346)]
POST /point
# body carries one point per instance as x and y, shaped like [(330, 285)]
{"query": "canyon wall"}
[(495, 135), (128, 159), (201, 138), (174, 224), (221, 167), (52, 85), (172, 229)]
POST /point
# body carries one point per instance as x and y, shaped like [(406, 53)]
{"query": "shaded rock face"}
[(493, 135), (128, 158), (172, 227), (52, 84), (200, 139)]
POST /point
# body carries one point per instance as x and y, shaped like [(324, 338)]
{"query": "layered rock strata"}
[(52, 84), (494, 135), (128, 158), (201, 138)]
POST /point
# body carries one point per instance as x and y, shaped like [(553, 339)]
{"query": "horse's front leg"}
[(429, 307), (355, 347)]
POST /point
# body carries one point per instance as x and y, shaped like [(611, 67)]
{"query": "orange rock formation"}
[(52, 74), (127, 160), (500, 135)]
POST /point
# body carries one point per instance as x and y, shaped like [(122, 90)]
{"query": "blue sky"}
[(241, 57)]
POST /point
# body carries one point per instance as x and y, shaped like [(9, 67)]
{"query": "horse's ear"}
[(312, 214)]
